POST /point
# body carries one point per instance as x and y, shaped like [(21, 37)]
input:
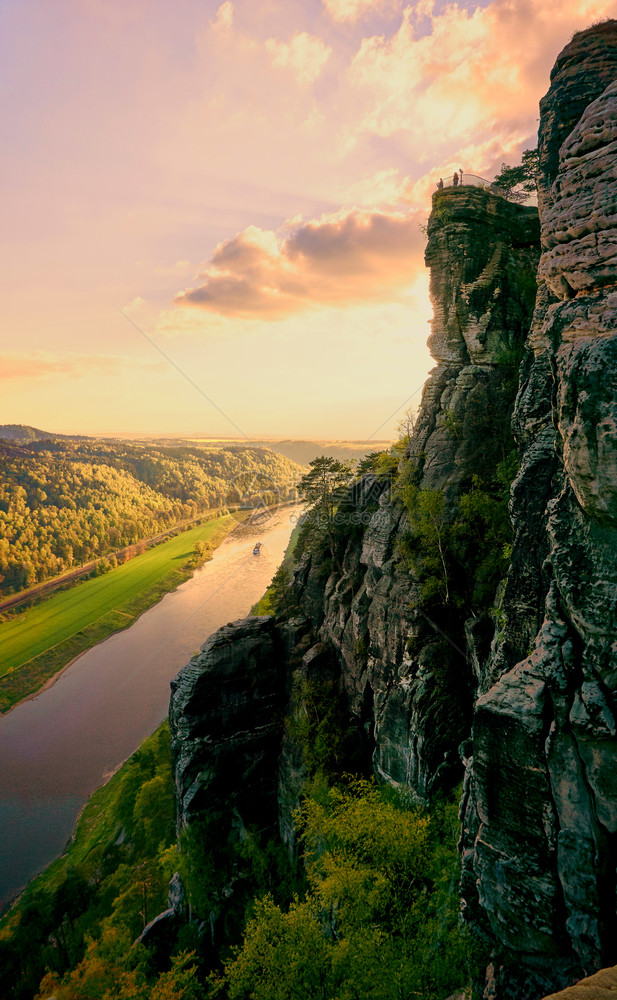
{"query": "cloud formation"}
[(352, 10), (306, 55), (460, 76), (224, 18), (40, 365), (344, 259)]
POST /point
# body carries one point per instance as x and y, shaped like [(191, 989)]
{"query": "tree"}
[(430, 540), (515, 183), (407, 423), (325, 484)]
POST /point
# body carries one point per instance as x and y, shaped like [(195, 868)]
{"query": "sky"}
[(211, 212)]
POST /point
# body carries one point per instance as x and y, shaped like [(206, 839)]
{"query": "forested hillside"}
[(24, 433), (64, 502)]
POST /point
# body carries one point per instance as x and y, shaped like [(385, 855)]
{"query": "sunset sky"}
[(246, 182)]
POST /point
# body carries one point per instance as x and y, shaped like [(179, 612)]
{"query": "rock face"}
[(529, 695), (405, 674), (224, 719), (540, 813), (602, 986)]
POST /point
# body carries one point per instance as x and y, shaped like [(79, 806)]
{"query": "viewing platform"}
[(474, 180)]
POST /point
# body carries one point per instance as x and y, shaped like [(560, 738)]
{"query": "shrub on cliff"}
[(380, 918), (460, 553)]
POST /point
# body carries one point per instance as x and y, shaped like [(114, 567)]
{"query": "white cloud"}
[(472, 82), (352, 10), (306, 55), (224, 19)]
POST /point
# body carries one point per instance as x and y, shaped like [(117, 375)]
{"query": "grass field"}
[(36, 644)]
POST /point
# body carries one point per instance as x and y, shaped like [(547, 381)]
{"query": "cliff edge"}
[(504, 673)]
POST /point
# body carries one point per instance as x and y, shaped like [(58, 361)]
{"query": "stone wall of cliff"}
[(401, 668), (525, 695), (540, 812)]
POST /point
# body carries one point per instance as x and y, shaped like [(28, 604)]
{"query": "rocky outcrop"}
[(528, 695), (224, 718), (404, 671), (602, 986), (540, 812)]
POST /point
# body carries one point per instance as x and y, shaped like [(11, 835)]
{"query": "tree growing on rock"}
[(325, 484), (516, 183)]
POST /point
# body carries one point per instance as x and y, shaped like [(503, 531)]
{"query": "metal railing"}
[(468, 179), (473, 180)]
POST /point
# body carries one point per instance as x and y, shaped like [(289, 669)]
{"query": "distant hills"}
[(24, 434), (65, 503), (304, 452), (296, 449)]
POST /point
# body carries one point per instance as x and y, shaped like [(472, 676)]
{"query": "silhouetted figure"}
[(455, 179), (440, 184), (460, 173)]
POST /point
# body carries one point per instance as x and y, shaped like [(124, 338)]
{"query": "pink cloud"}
[(352, 10), (341, 260), (306, 55), (476, 75), (41, 365)]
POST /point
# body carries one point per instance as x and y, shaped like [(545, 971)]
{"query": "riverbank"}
[(38, 645), (33, 595), (121, 847), (265, 605), (58, 747)]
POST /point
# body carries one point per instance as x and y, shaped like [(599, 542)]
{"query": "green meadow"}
[(36, 644)]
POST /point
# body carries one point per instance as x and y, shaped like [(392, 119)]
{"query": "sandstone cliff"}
[(523, 696), (541, 812)]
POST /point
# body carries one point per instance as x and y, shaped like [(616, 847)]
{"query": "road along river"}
[(56, 748)]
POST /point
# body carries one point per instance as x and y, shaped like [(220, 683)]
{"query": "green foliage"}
[(324, 484), (428, 548), (321, 726), (365, 856), (380, 917), (64, 503), (385, 464), (459, 556), (324, 487), (441, 214), (88, 907), (285, 955), (515, 183), (369, 463)]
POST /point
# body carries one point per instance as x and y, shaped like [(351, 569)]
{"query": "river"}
[(60, 745)]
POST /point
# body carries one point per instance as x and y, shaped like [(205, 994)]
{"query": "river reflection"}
[(56, 748)]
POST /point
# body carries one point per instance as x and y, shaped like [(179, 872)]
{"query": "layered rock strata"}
[(540, 799), (404, 675), (540, 813)]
